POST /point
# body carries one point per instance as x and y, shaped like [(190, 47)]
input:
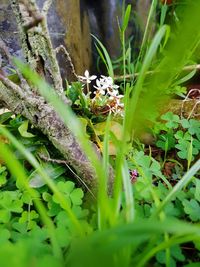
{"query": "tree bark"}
[(23, 99)]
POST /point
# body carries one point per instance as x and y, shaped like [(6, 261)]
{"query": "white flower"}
[(112, 92), (107, 81), (100, 87), (87, 78), (115, 104)]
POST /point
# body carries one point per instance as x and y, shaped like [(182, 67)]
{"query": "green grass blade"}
[(179, 186), (126, 18), (106, 58), (132, 110), (129, 208)]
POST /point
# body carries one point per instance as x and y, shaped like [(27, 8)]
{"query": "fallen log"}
[(24, 99)]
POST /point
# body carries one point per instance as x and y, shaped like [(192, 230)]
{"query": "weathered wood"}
[(187, 109), (23, 99)]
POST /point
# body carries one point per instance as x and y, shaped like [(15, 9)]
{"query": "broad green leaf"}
[(53, 171), (5, 116), (115, 127), (23, 130)]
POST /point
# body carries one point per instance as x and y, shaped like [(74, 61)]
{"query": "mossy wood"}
[(23, 98)]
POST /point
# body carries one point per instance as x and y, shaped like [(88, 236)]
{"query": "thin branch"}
[(69, 60)]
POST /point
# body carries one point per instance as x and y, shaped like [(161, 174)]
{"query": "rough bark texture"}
[(22, 99), (35, 40)]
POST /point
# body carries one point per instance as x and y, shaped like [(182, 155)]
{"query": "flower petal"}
[(87, 74), (93, 77)]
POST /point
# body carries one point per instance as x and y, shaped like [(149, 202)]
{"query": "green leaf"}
[(28, 217), (192, 125), (4, 235), (66, 187), (5, 216), (5, 116), (171, 210), (3, 179), (76, 196), (105, 57), (172, 120), (53, 208), (197, 190), (164, 139), (63, 236), (53, 171), (23, 130), (176, 252), (126, 18), (187, 77), (73, 91), (26, 198), (192, 208), (10, 200), (62, 219)]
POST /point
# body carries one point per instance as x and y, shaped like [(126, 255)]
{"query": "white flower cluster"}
[(87, 78), (106, 92)]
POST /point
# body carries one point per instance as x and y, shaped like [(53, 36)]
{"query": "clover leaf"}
[(180, 135), (76, 196), (172, 120), (29, 217), (186, 144), (10, 200), (72, 196), (193, 126), (63, 236)]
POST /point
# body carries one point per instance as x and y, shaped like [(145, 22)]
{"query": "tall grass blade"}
[(179, 186), (105, 57)]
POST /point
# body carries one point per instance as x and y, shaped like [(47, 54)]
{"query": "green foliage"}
[(23, 130), (53, 171), (45, 219), (104, 56), (182, 134), (192, 208)]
